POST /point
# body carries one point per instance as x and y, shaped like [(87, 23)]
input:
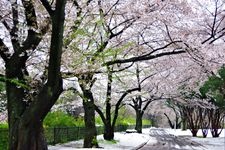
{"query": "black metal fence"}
[(63, 134)]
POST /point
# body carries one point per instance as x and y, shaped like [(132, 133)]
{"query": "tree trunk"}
[(204, 132), (215, 133), (138, 126), (86, 82), (25, 116), (90, 139), (194, 132), (184, 123), (108, 132), (31, 138), (169, 121)]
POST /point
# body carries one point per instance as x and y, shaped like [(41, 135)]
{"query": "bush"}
[(4, 126), (98, 121), (146, 122), (3, 136), (61, 119)]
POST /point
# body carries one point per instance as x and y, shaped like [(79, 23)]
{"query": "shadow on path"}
[(166, 141)]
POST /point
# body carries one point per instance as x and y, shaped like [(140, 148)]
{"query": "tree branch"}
[(48, 7), (100, 114), (119, 102), (142, 58), (3, 51)]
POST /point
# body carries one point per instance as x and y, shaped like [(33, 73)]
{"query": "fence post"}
[(54, 135), (67, 132)]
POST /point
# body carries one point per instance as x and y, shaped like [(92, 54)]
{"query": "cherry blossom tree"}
[(24, 34)]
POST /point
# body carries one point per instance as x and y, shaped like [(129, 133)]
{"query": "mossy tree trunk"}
[(25, 117), (138, 125), (90, 138)]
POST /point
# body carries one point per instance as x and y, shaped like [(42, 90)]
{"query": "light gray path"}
[(166, 141)]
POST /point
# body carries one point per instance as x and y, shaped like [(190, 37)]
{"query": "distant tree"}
[(140, 102), (214, 89), (108, 119), (178, 118)]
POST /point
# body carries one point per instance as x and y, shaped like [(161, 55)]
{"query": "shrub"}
[(3, 136), (98, 121), (61, 119), (146, 122), (4, 125)]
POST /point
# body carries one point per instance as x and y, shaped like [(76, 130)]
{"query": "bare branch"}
[(100, 113), (143, 57), (48, 7), (3, 51)]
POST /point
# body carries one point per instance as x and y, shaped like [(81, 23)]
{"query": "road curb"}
[(141, 145)]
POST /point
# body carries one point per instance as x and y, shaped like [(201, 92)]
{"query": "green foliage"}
[(98, 121), (113, 52), (61, 119), (214, 88), (4, 139), (4, 136), (108, 142), (125, 121), (129, 119), (221, 73), (4, 126), (2, 86), (67, 96), (211, 85), (94, 141), (146, 122)]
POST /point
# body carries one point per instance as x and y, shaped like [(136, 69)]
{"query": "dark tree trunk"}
[(216, 118), (194, 132), (90, 139), (183, 123), (108, 132), (193, 119), (109, 123), (25, 116), (108, 127), (138, 126), (215, 133), (28, 138), (204, 132), (169, 121), (31, 138)]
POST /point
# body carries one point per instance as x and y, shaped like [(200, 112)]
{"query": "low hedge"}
[(61, 127)]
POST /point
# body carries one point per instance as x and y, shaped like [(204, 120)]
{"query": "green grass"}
[(108, 142)]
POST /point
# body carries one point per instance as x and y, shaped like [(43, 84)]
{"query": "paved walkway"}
[(166, 141)]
